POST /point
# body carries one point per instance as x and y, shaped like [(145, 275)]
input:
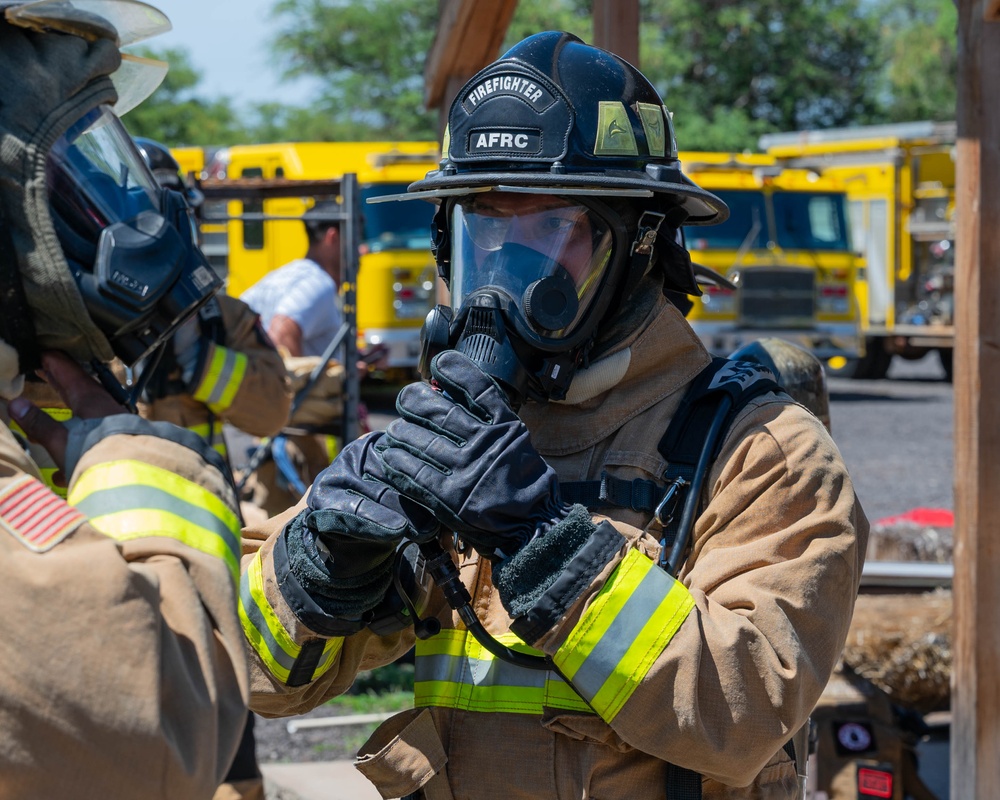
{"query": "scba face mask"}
[(130, 244), (531, 277)]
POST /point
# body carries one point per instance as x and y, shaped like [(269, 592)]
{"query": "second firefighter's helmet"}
[(560, 194)]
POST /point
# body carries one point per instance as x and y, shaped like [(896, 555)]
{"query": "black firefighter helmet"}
[(556, 117)]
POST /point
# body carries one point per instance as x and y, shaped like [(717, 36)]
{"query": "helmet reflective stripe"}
[(271, 641), (452, 670), (622, 633), (614, 131), (132, 500), (652, 118)]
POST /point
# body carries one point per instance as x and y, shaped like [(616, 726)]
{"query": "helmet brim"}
[(703, 207)]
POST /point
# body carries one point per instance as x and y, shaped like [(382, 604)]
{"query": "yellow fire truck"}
[(396, 280), (787, 250), (900, 181), (193, 162)]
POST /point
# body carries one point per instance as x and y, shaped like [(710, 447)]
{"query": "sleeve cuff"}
[(329, 606), (86, 433), (539, 584)]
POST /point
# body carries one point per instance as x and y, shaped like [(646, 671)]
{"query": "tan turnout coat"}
[(773, 573), (122, 669)]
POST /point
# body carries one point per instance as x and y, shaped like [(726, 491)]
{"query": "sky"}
[(228, 42)]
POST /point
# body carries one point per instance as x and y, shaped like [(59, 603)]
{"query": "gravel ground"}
[(276, 744)]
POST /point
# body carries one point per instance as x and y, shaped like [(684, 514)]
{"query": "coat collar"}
[(663, 355)]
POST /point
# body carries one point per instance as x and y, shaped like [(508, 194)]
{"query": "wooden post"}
[(975, 732), (616, 28), (468, 37)]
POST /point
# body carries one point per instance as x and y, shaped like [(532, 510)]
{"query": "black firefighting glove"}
[(341, 547), (460, 450)]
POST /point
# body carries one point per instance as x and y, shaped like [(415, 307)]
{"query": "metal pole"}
[(350, 240)]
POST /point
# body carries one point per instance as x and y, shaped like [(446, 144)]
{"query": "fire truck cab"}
[(786, 248), (397, 276)]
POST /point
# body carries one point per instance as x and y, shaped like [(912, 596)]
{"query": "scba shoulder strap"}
[(723, 382)]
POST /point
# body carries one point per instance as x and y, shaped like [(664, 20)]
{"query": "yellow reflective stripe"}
[(132, 500), (204, 430), (222, 379), (623, 632), (330, 651), (332, 447), (46, 466), (454, 671), (58, 413), (213, 435), (265, 633), (261, 626)]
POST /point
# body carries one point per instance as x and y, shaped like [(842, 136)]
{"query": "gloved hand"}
[(341, 547), (464, 454)]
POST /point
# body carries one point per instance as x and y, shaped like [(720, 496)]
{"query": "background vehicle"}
[(900, 181), (194, 162), (396, 280), (787, 249)]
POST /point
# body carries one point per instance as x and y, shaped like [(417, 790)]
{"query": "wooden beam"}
[(616, 28), (975, 691), (469, 36)]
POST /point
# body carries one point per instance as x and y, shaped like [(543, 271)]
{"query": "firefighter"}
[(124, 672), (553, 376)]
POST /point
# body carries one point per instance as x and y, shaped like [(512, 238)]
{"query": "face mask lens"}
[(489, 231), (110, 181), (512, 242)]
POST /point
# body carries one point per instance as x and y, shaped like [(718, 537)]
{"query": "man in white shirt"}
[(297, 303)]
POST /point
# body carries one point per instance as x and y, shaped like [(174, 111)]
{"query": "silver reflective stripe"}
[(256, 617), (138, 497), (604, 659), (480, 672), (223, 378)]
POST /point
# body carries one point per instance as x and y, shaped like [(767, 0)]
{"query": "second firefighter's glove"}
[(464, 454), (341, 547)]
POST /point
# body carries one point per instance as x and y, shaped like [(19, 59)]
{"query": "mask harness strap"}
[(643, 250)]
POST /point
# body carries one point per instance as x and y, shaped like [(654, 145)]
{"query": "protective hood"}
[(48, 83)]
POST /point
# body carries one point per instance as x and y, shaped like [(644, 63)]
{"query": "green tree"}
[(370, 57), (175, 115), (919, 48), (534, 16), (731, 71)]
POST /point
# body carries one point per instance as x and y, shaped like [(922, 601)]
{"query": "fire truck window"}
[(253, 230)]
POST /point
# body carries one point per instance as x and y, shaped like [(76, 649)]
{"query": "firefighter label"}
[(504, 141), (538, 97)]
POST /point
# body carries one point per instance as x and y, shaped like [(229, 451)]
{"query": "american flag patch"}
[(35, 516)]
